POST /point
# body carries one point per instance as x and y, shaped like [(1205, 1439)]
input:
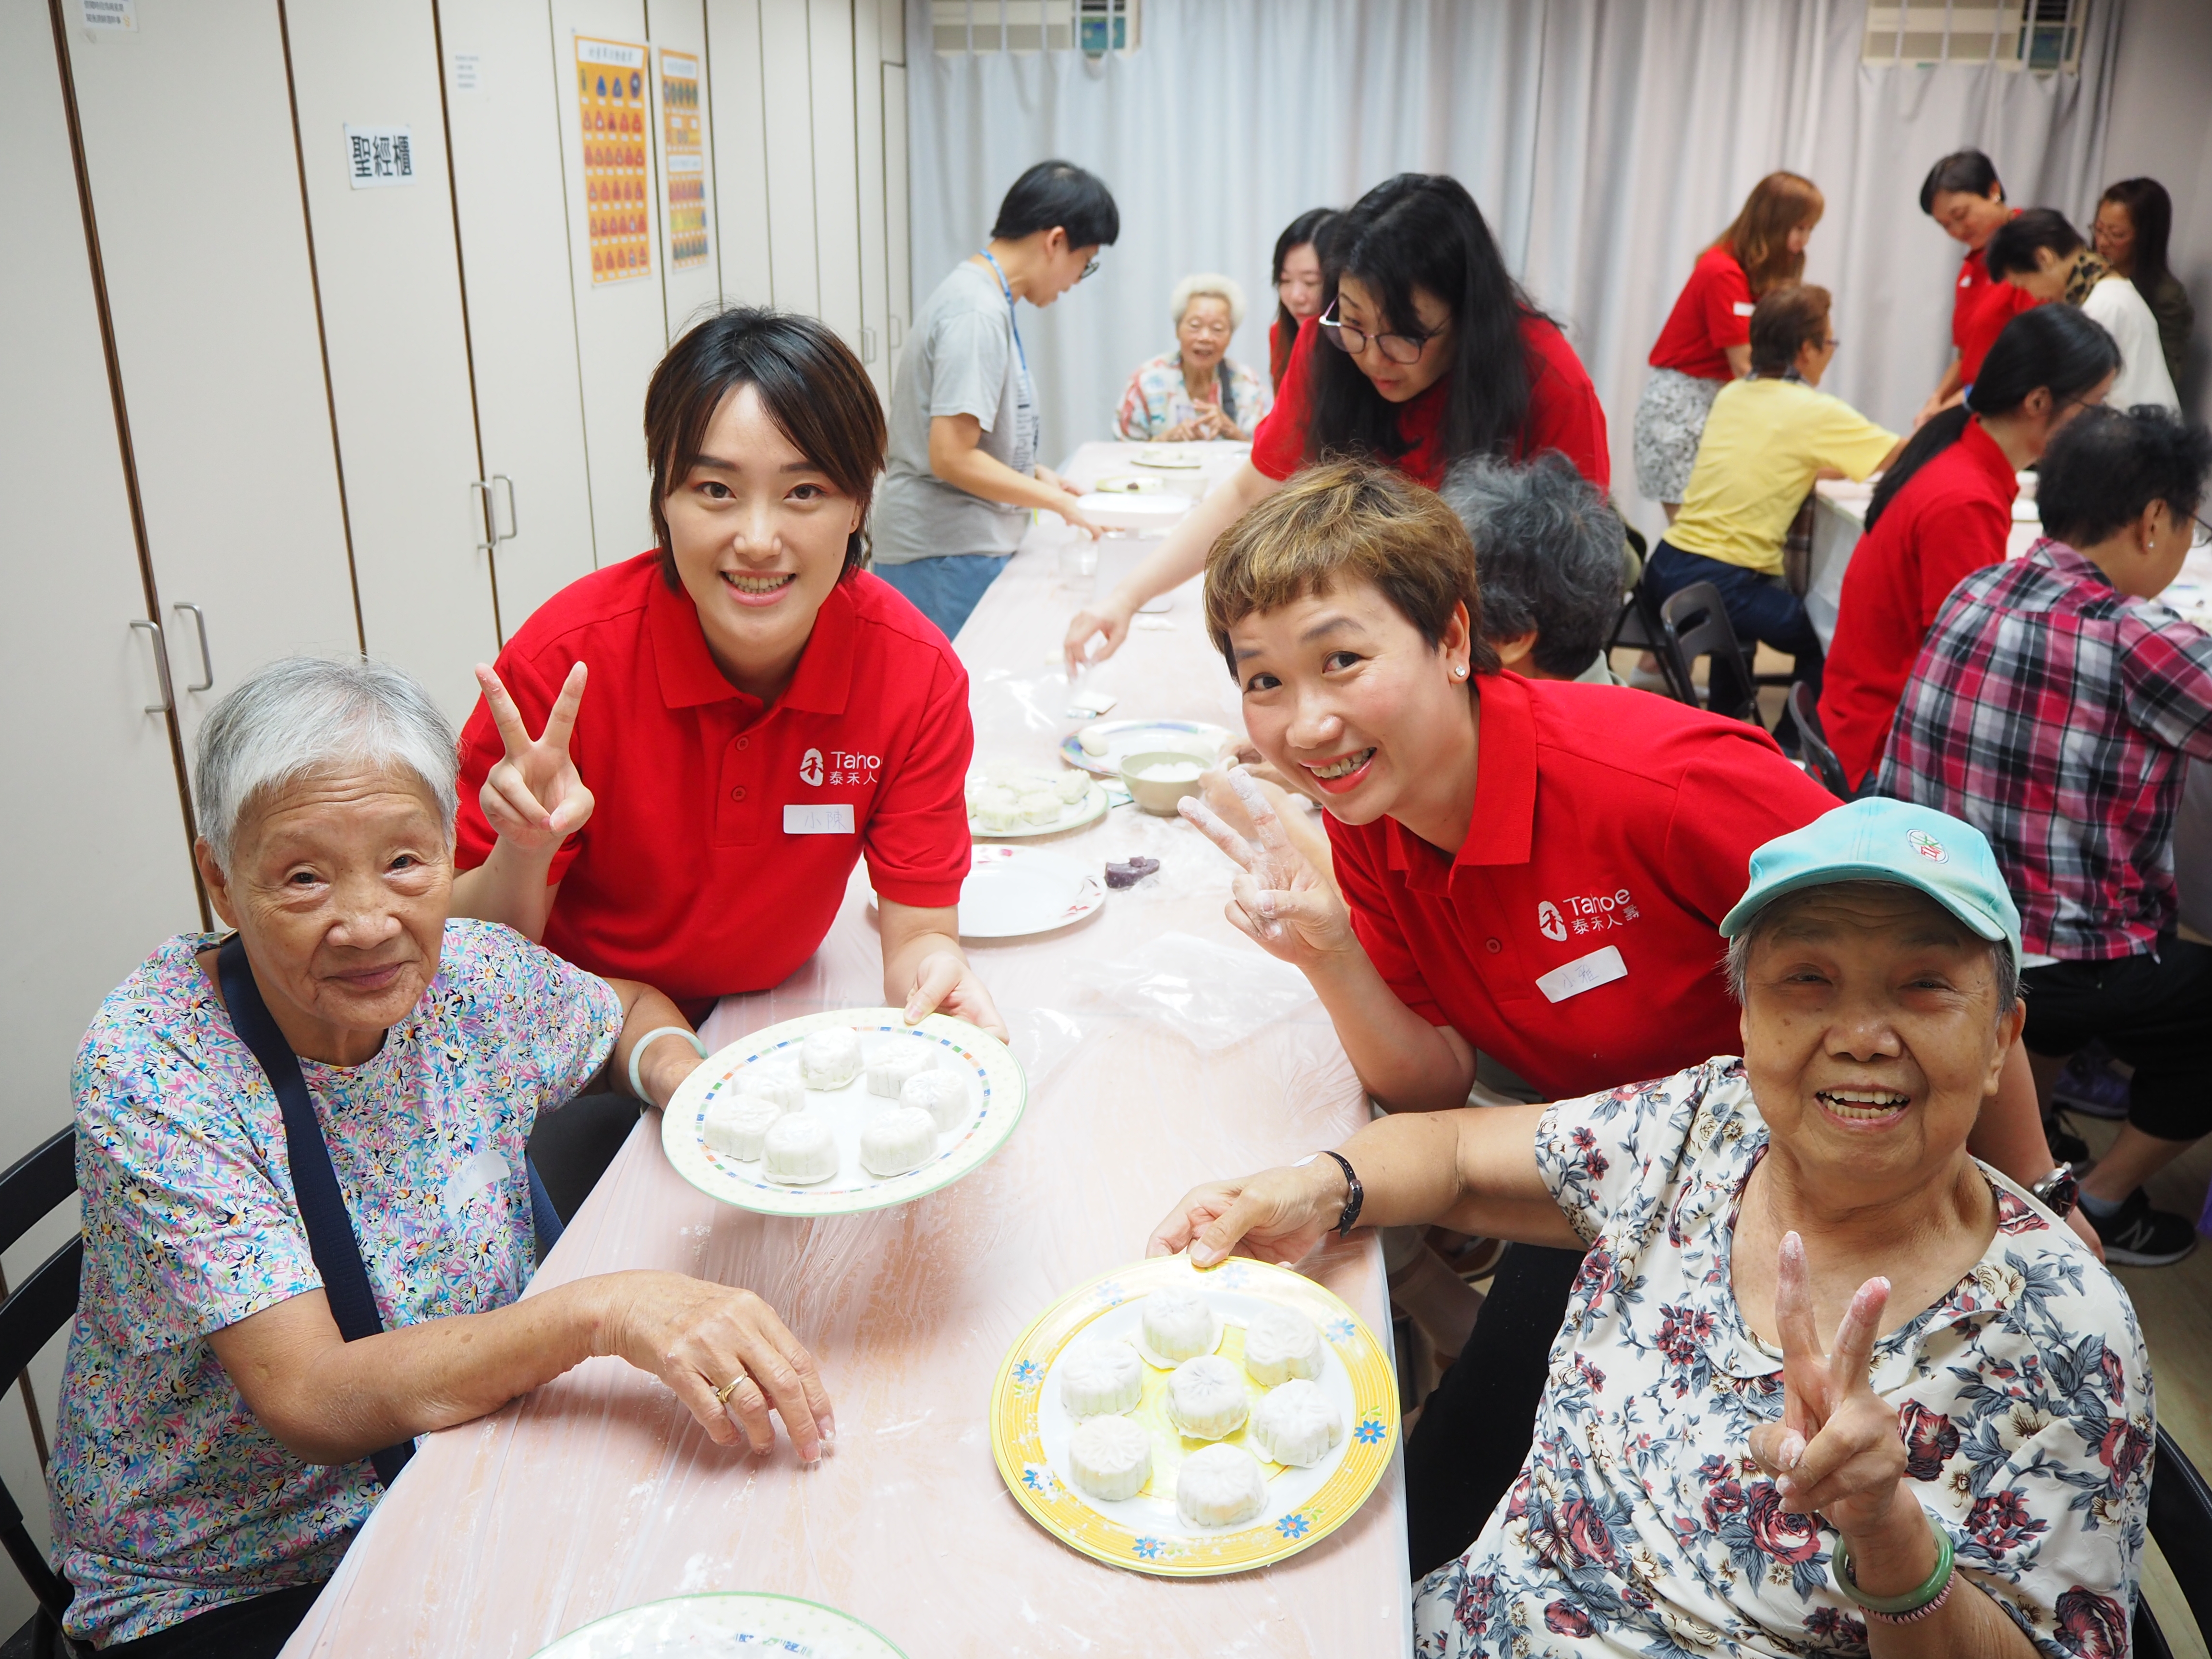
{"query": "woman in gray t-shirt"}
[(962, 473)]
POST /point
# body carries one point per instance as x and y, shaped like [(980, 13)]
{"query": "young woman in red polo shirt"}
[(1944, 510), (1707, 340), (1962, 194), (761, 714), (1298, 285), (1433, 352), (1536, 869)]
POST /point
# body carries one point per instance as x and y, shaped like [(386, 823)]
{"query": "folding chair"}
[(2181, 1522), (1819, 759), (32, 1316), (1694, 623)]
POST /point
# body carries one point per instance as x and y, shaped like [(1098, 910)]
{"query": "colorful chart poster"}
[(684, 159), (611, 102)]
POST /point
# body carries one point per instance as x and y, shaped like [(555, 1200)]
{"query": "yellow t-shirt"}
[(1765, 440)]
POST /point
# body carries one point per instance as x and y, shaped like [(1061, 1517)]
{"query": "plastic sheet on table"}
[(1041, 697), (1212, 995)]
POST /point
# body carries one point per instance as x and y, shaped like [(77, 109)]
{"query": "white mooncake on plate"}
[(1071, 787), (894, 1141), (829, 1059), (891, 1065), (1297, 1424), (1111, 1458), (1281, 1344), (738, 1126), (1176, 1326), (945, 1095), (799, 1149), (1096, 1378), (782, 1087), (1207, 1399), (1219, 1486)]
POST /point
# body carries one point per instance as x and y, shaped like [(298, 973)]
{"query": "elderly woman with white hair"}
[(307, 1224), (1196, 391)]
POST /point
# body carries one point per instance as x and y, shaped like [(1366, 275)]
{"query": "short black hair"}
[(1547, 555), (2107, 465), (2013, 247), (1962, 169), (1059, 195)]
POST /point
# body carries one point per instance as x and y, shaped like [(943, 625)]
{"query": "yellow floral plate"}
[(1030, 1428)]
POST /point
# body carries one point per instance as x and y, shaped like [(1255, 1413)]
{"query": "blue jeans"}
[(1758, 607), (945, 589)]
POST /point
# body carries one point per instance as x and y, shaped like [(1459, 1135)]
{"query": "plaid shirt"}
[(2052, 714)]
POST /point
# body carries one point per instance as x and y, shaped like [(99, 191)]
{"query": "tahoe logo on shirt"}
[(837, 767), (1592, 914)]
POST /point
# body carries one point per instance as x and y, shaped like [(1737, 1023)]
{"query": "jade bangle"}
[(638, 1048), (1899, 1607)]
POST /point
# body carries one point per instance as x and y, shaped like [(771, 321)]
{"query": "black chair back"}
[(2181, 1522), (1637, 629), (1694, 623), (33, 1314), (1819, 760)]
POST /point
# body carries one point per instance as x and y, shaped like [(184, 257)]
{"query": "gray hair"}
[(2004, 970), (1206, 283), (303, 716), (1547, 555)]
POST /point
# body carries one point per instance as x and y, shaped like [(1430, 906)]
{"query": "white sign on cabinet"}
[(379, 157)]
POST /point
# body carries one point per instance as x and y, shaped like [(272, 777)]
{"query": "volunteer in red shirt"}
[(1961, 193), (761, 713), (1297, 286), (1707, 340), (1536, 869), (1425, 351), (1944, 510)]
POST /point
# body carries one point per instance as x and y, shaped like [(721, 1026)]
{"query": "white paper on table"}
[(1211, 994)]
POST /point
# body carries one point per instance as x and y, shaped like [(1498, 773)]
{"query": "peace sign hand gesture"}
[(1278, 900), (1837, 1449), (533, 797)]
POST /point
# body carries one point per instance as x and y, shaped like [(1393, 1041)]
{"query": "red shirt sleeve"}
[(916, 837), (1726, 289), (1365, 898), (1278, 447), (1564, 412)]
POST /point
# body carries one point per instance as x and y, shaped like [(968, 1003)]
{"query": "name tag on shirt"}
[(484, 1169), (818, 819), (1583, 973), (1742, 309)]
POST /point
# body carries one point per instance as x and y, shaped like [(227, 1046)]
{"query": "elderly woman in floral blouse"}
[(1196, 391), (213, 1459), (1827, 1384)]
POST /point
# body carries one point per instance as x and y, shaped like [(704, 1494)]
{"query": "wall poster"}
[(683, 158), (611, 103)]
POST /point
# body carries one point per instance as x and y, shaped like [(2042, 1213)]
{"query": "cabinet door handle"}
[(493, 533), (868, 343), (897, 329), (207, 663), (168, 703), (513, 523)]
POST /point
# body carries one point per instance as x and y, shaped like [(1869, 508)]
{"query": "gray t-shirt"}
[(961, 359)]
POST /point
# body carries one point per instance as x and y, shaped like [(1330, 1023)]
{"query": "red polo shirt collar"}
[(689, 679), (1502, 828)]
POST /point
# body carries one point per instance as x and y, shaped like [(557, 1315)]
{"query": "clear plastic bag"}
[(1211, 994)]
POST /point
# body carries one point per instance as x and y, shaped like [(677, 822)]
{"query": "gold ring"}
[(722, 1394)]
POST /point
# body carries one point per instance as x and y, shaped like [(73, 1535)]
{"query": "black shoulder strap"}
[(330, 1230)]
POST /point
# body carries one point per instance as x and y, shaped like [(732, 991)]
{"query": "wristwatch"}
[(2058, 1190)]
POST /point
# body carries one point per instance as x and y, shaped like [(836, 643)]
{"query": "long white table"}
[(597, 1492)]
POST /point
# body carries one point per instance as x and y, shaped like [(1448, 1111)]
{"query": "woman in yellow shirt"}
[(1768, 438)]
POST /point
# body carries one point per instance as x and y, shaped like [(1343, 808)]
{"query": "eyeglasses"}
[(1089, 268), (2201, 535), (1398, 348)]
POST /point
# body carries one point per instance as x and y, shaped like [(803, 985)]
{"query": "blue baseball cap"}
[(1893, 841)]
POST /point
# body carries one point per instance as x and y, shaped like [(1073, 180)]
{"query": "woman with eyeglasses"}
[(961, 475), (1197, 391), (1944, 510), (1425, 351)]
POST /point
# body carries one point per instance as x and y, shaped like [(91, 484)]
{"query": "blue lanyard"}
[(1007, 288)]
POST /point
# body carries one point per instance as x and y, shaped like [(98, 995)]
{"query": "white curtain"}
[(1608, 141)]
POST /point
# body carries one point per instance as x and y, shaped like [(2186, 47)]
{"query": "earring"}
[(1459, 673)]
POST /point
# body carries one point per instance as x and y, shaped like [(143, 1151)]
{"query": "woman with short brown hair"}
[(763, 711)]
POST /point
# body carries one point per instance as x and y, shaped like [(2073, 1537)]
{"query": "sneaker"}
[(2089, 1086), (2066, 1146), (2137, 1236)]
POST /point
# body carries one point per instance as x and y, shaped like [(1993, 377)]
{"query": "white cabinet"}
[(188, 141), (690, 238), (739, 141), (389, 280)]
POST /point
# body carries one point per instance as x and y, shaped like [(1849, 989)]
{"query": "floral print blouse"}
[(1158, 397), (1641, 1525), (168, 1496)]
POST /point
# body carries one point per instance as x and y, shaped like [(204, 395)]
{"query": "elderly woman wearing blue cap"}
[(1825, 1379)]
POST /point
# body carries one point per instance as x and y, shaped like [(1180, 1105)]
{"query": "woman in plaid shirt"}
[(2052, 707)]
